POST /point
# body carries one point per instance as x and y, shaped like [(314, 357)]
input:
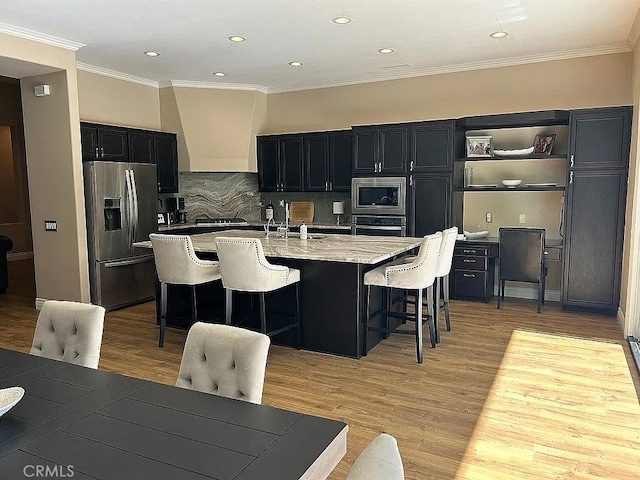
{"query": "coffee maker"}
[(175, 210)]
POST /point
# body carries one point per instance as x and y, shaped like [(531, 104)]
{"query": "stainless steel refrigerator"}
[(121, 202)]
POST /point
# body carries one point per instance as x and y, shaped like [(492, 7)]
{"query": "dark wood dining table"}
[(84, 423)]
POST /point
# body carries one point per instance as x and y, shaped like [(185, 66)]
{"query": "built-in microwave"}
[(379, 195)]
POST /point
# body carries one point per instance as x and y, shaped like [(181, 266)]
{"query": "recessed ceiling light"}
[(219, 74), (385, 50), (498, 34), (151, 53), (341, 20), (295, 64), (237, 38)]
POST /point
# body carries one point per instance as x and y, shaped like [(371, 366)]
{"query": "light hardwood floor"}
[(489, 402)]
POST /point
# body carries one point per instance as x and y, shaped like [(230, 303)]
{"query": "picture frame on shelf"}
[(480, 146), (543, 144)]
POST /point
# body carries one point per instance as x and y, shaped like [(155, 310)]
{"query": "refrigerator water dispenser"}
[(112, 214)]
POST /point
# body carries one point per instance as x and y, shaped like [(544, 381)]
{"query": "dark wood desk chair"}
[(521, 258)]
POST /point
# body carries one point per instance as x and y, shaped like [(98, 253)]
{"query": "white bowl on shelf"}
[(9, 397), (472, 235), (512, 183)]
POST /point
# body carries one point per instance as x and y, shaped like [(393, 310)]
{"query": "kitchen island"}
[(332, 291)]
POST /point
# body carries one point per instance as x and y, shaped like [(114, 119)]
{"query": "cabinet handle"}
[(572, 159), (469, 275), (375, 167), (466, 260), (410, 180), (97, 155), (411, 166), (571, 177), (101, 152), (326, 186), (468, 251), (331, 186)]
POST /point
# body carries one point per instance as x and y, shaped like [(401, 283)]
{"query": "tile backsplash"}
[(213, 194)]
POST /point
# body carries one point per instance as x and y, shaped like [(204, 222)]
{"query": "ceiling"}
[(428, 36)]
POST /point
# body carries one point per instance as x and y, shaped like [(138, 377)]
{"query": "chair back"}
[(380, 460), (69, 331), (244, 267), (421, 272), (521, 254), (445, 256), (224, 360), (177, 263)]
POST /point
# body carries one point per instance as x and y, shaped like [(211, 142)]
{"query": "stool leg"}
[(194, 308), (419, 325), (385, 312), (365, 327), (434, 329), (445, 289), (228, 305), (263, 314), (435, 306), (299, 339), (163, 312)]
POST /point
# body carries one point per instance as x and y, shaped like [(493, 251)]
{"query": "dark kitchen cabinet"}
[(431, 203), (280, 166), (473, 270), (104, 142), (595, 209), (380, 150), (432, 147), (327, 162), (165, 146), (141, 146), (600, 138)]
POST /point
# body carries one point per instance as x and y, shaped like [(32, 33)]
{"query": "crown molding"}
[(40, 37), (114, 74), (221, 86), (463, 67)]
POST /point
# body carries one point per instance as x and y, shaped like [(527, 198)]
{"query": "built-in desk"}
[(474, 262)]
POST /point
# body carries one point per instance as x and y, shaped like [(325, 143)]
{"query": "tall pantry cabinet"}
[(595, 208)]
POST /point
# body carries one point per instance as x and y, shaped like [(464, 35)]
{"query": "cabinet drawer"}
[(470, 283), (468, 250), (470, 262)]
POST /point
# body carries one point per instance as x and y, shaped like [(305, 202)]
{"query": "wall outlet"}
[(489, 217), (50, 225), (523, 218)]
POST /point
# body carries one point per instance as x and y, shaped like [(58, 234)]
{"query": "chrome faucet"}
[(266, 227)]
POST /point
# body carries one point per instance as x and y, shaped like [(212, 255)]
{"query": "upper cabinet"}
[(104, 142), (381, 149), (432, 147), (280, 166), (600, 138), (327, 161), (108, 143)]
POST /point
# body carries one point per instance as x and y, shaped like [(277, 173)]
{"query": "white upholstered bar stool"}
[(417, 275), (177, 264), (244, 268), (69, 331), (380, 460), (445, 259), (224, 360)]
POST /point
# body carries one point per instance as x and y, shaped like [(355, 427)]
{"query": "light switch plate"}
[(523, 218), (50, 225)]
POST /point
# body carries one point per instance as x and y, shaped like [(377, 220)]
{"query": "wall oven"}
[(386, 226), (379, 196)]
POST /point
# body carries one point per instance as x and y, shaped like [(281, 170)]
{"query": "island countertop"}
[(321, 247)]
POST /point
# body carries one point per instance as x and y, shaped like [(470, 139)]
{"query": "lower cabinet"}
[(473, 271)]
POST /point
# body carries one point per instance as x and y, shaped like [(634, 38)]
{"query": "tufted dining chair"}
[(244, 268), (69, 331), (224, 360), (417, 275), (380, 460), (177, 264)]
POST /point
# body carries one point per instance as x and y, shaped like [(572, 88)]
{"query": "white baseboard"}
[(529, 293), (40, 302), (11, 257)]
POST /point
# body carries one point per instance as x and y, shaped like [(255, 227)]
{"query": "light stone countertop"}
[(177, 226), (321, 247)]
